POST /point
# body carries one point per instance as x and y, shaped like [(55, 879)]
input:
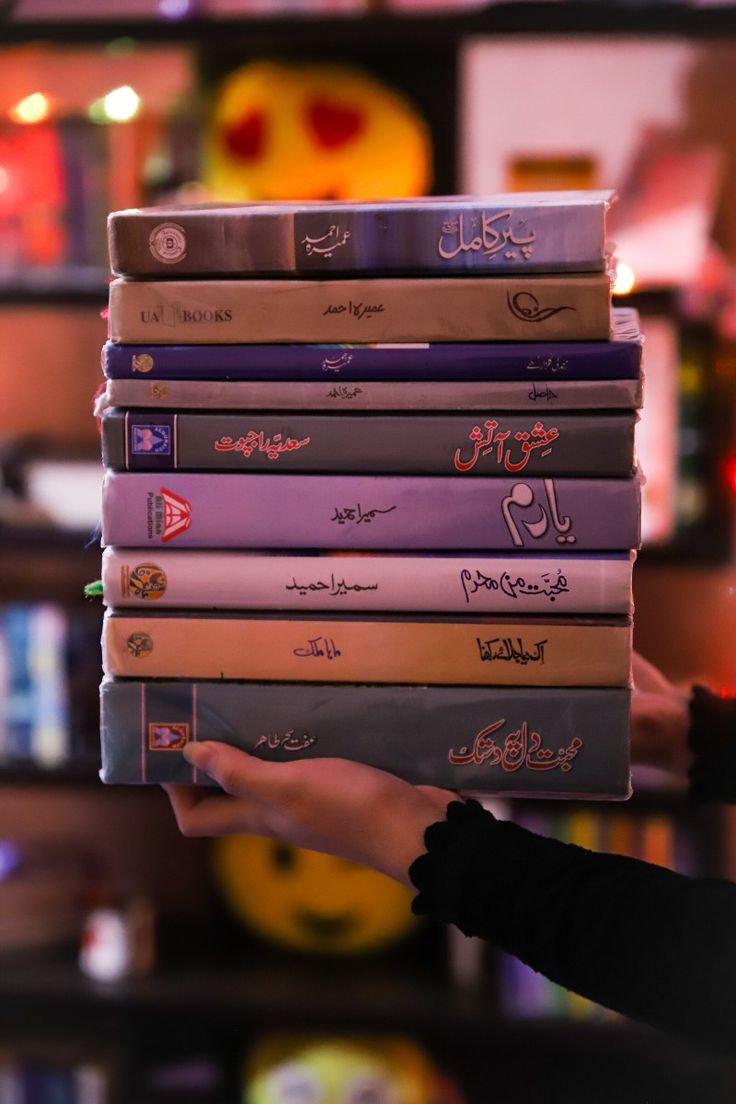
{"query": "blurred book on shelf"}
[(48, 669), (48, 1074)]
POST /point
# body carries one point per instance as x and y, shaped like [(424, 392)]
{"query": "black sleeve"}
[(712, 741), (649, 943)]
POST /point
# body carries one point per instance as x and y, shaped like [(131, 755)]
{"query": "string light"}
[(31, 109), (119, 106), (625, 279)]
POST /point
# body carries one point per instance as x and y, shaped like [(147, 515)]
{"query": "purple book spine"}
[(369, 512), (526, 361)]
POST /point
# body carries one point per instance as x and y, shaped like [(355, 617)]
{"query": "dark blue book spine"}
[(583, 360)]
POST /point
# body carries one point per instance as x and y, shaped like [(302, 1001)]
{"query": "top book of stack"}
[(475, 235)]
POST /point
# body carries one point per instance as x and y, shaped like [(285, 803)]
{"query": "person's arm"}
[(688, 731), (637, 938), (634, 937)]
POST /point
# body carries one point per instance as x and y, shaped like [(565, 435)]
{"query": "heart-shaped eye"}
[(332, 124), (246, 138)]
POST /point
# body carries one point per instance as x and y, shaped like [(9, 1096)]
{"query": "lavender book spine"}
[(537, 742), (369, 512), (462, 445)]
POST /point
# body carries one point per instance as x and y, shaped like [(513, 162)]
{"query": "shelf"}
[(63, 286), (397, 32)]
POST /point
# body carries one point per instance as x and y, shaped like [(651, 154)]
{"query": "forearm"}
[(634, 937), (712, 742)]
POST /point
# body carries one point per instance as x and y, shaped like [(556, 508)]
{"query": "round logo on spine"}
[(168, 242), (140, 644), (142, 362), (147, 581)]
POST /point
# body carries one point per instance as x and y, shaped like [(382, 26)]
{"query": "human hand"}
[(332, 805), (660, 719)]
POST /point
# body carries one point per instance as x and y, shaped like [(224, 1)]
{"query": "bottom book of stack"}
[(541, 741)]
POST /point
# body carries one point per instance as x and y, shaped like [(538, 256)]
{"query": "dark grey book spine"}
[(412, 444), (535, 742)]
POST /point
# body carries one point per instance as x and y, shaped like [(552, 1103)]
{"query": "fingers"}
[(199, 813), (235, 771)]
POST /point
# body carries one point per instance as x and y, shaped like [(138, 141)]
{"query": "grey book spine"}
[(411, 444), (532, 742), (381, 309), (501, 395), (549, 231)]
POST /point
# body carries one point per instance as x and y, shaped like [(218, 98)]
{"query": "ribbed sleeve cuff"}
[(442, 874)]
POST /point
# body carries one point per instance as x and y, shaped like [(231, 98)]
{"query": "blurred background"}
[(135, 965)]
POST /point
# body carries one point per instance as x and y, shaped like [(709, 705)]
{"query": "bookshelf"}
[(250, 991), (397, 30)]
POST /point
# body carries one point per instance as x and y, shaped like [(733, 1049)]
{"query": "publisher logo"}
[(177, 514), (143, 362), (150, 440), (168, 242), (174, 314), (140, 645), (167, 735), (146, 581)]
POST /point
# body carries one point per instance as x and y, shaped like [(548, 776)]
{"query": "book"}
[(353, 647), (530, 361), (536, 232), (562, 743), (435, 444), (510, 583), (231, 312), (502, 395), (392, 512)]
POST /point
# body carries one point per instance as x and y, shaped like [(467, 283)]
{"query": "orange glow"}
[(625, 279), (32, 109)]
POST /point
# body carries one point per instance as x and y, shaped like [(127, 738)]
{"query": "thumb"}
[(235, 771)]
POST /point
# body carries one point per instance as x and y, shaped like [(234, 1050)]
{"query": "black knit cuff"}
[(441, 875), (712, 741)]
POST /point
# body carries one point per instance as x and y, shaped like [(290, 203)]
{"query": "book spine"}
[(481, 651), (470, 584), (140, 509), (486, 309), (531, 362), (618, 394), (461, 445), (484, 739), (19, 702), (421, 238)]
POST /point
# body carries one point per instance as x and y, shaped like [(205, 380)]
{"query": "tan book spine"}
[(482, 651), (185, 312)]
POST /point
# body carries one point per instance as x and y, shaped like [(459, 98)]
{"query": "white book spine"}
[(615, 394), (565, 584)]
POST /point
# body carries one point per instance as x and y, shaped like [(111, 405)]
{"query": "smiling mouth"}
[(325, 927)]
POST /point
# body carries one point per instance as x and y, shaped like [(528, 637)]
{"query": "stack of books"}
[(371, 490)]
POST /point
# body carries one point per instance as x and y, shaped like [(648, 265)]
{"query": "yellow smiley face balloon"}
[(309, 901)]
